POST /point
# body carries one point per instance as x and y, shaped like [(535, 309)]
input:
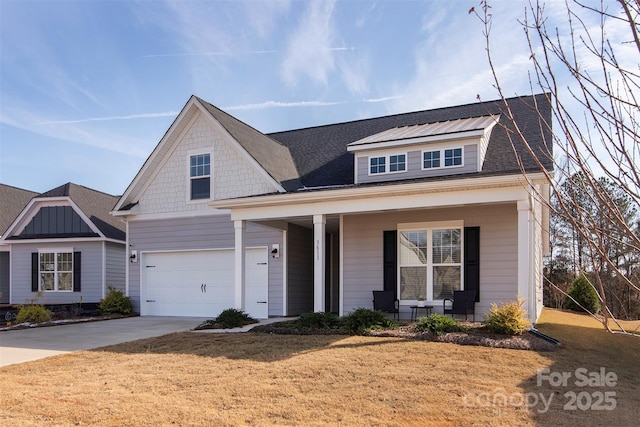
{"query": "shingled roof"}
[(12, 201), (321, 157), (95, 205), (274, 157)]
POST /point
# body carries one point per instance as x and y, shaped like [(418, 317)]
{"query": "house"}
[(12, 201), (315, 219), (64, 245)]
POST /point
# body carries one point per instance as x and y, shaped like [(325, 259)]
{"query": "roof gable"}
[(267, 156), (77, 203)]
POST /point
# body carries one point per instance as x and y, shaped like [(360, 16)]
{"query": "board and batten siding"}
[(363, 252), (91, 273), (414, 166), (115, 266), (203, 233)]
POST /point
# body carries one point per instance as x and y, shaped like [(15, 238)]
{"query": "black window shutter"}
[(34, 272), (390, 260), (76, 271), (472, 260)]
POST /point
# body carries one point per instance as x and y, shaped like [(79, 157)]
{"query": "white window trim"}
[(441, 150), (190, 154), (429, 227), (387, 159), (55, 251)]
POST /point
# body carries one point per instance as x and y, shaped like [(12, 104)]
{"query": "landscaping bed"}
[(475, 334)]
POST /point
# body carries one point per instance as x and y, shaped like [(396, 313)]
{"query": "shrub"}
[(115, 302), (582, 291), (33, 314), (509, 318), (233, 318), (362, 320), (438, 324), (318, 320)]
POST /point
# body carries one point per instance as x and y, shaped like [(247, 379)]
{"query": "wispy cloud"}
[(278, 104), (220, 53), (309, 51), (110, 118), (384, 99)]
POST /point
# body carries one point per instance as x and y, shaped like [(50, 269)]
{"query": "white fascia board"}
[(414, 141), (133, 188), (175, 215), (380, 198), (66, 241)]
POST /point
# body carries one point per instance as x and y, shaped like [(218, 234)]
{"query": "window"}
[(377, 165), (397, 163), (430, 263), (56, 271), (453, 157), (200, 176), (431, 159), (435, 158)]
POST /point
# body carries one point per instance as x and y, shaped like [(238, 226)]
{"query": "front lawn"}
[(262, 379)]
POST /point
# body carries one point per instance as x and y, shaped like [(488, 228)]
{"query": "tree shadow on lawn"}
[(593, 379), (257, 347)]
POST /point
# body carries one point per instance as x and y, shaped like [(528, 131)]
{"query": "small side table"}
[(415, 308)]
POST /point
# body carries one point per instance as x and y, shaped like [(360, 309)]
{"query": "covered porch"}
[(336, 237)]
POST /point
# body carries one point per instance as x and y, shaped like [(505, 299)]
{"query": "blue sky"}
[(88, 88)]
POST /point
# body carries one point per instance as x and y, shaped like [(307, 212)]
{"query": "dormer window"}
[(377, 165), (448, 157), (396, 162), (453, 157)]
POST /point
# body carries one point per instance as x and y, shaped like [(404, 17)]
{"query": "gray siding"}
[(200, 233), (4, 277), (91, 271), (414, 167), (363, 266), (115, 265), (299, 270), (53, 220)]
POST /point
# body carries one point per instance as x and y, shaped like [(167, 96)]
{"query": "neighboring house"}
[(315, 219), (12, 201), (64, 244)]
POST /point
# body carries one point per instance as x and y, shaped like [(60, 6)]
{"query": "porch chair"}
[(386, 301), (463, 302)]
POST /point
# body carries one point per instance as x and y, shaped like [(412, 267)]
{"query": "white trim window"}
[(55, 270), (200, 176), (443, 158), (429, 262), (378, 164)]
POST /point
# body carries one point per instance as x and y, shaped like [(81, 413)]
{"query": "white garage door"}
[(200, 283)]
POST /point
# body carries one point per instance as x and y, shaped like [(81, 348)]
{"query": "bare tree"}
[(593, 84)]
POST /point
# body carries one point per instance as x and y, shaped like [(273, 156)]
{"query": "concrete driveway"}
[(24, 345)]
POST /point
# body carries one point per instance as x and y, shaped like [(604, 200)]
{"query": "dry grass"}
[(258, 379)]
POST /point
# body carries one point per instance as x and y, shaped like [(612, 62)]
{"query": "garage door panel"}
[(201, 283)]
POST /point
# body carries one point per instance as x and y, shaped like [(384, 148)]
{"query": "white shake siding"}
[(202, 233), (363, 243), (91, 273)]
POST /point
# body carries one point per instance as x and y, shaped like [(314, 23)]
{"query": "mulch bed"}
[(477, 335), (67, 321)]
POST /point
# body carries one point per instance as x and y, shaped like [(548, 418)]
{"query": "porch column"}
[(319, 222), (238, 300), (525, 253)]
